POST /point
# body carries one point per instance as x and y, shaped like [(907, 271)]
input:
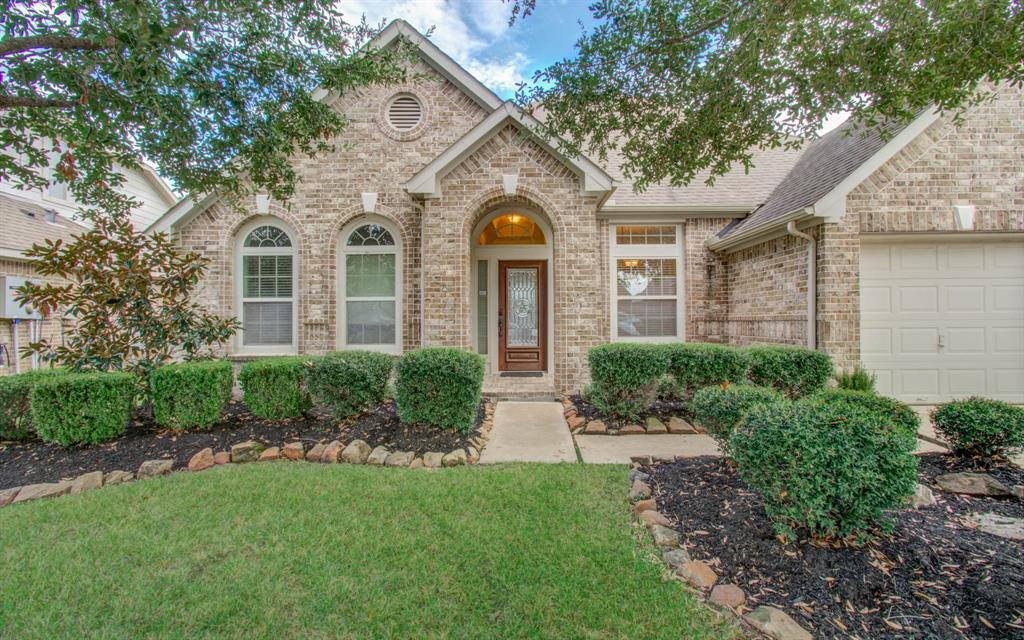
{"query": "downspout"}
[(812, 282)]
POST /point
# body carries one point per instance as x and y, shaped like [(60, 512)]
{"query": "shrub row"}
[(82, 408), (15, 407), (191, 395)]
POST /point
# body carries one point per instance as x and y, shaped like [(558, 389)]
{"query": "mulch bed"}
[(661, 409), (932, 578), (36, 461)]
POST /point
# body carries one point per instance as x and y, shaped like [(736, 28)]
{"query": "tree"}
[(682, 86)]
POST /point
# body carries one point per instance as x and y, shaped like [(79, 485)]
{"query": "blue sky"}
[(476, 33)]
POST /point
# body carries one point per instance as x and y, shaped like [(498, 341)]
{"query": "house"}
[(445, 218)]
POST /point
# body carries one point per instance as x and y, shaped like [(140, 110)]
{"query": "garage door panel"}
[(966, 341), (1008, 298), (966, 382), (1010, 257), (965, 257), (883, 381), (918, 257), (876, 341), (1009, 382), (1008, 340), (918, 340), (919, 381), (876, 300), (917, 299), (966, 299)]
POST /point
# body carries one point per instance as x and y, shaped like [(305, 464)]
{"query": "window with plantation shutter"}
[(267, 296), (404, 113)]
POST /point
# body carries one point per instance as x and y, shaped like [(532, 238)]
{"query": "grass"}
[(295, 550)]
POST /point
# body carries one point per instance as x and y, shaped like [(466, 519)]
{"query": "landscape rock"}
[(643, 505), (293, 451), (246, 452), (7, 496), (332, 452), (997, 525), (432, 459), (923, 497), (356, 452), (576, 421), (637, 474), (399, 459), (454, 458), (472, 455), (639, 490), (416, 464), (656, 426), (651, 518), (728, 595), (697, 574), (118, 477), (678, 425), (273, 453), (632, 428), (377, 456), (201, 460), (316, 452), (664, 537), (675, 558), (596, 426), (971, 484), (153, 468), (774, 623), (42, 490), (87, 482), (222, 457), (1018, 491)]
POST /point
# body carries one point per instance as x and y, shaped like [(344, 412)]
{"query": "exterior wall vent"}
[(404, 113)]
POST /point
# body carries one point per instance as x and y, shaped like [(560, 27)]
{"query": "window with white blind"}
[(646, 287), (267, 289), (370, 287)]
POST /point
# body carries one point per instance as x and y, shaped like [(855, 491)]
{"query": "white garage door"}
[(943, 320)]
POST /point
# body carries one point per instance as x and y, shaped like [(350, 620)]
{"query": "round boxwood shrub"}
[(191, 395), (901, 414), (15, 409), (696, 365), (439, 386), (625, 377), (830, 470), (349, 381), (274, 388), (82, 408), (979, 426), (794, 371), (720, 409)]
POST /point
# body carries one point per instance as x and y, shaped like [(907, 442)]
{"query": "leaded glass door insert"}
[(522, 315)]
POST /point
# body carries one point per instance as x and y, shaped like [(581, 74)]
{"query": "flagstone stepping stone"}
[(664, 537), (774, 623), (656, 426), (356, 452), (153, 468), (971, 484), (87, 482), (201, 460), (378, 456), (997, 525)]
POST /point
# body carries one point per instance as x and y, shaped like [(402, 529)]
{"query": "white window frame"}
[(647, 251), (345, 250), (240, 252)]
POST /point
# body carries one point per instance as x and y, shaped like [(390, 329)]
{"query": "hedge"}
[(897, 412), (625, 377), (274, 388), (191, 395), (439, 386), (720, 410), (82, 408), (349, 381), (15, 409), (696, 365), (830, 470), (979, 426), (794, 371)]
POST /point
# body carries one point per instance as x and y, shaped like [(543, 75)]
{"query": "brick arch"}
[(353, 213), (276, 211), (489, 199)]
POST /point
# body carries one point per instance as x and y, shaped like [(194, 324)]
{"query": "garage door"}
[(943, 320)]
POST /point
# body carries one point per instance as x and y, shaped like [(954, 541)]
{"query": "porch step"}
[(539, 389)]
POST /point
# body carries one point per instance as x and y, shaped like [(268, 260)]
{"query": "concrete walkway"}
[(596, 449), (529, 432)]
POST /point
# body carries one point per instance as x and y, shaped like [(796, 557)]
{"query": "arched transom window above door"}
[(511, 228), (369, 300), (266, 288)]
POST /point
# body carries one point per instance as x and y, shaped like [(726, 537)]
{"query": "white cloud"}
[(466, 30)]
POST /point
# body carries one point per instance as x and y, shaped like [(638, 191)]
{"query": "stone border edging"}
[(578, 424)]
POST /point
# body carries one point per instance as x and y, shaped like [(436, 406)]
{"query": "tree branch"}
[(11, 102), (12, 46)]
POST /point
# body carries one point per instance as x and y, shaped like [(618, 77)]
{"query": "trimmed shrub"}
[(440, 386), (349, 381), (830, 470), (191, 395), (274, 388), (856, 379), (696, 365), (979, 426), (794, 371), (721, 409), (83, 408), (899, 413), (15, 409), (625, 377)]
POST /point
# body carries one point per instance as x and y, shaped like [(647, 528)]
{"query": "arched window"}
[(267, 289), (512, 228), (370, 286)]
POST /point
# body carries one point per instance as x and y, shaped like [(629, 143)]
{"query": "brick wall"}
[(50, 328)]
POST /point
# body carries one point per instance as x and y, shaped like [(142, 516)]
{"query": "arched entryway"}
[(512, 285)]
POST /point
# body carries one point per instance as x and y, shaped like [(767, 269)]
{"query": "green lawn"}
[(297, 550)]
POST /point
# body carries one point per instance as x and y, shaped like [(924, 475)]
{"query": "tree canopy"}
[(684, 86)]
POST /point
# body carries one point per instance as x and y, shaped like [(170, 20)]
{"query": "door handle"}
[(942, 341)]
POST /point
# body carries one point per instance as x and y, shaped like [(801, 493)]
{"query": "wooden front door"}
[(522, 315)]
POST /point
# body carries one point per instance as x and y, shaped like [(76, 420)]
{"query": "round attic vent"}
[(404, 113)]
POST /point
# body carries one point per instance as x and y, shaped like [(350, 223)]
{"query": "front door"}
[(522, 315)]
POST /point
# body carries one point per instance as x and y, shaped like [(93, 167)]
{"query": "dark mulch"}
[(663, 409), (932, 578), (36, 461)]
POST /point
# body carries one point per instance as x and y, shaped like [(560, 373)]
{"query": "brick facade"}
[(49, 328)]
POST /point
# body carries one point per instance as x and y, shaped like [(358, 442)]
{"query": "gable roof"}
[(831, 167), (427, 182), (25, 224)]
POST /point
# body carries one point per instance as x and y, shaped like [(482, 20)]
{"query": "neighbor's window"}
[(646, 290), (370, 265), (268, 289)]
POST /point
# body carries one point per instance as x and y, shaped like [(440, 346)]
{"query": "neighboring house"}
[(444, 219)]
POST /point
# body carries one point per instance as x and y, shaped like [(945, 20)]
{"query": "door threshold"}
[(521, 374)]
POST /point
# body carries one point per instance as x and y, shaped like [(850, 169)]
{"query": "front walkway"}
[(529, 432)]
